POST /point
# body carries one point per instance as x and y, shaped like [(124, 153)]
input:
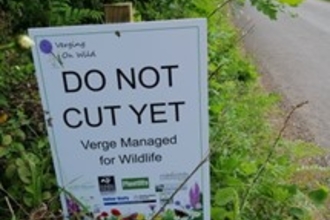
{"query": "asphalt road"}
[(295, 54)]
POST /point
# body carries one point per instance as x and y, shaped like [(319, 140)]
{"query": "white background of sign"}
[(179, 42)]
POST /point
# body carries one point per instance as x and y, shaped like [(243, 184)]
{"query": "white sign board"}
[(126, 109)]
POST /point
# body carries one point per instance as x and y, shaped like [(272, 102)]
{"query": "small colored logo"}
[(46, 47), (135, 183), (159, 188), (107, 184)]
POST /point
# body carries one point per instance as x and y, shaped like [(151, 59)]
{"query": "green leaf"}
[(224, 196), (29, 189), (27, 201), (218, 213), (46, 195), (7, 140), (293, 3), (20, 134), (20, 162), (231, 164), (10, 171), (280, 194), (3, 152), (3, 100), (24, 174), (222, 214), (248, 168), (42, 144), (319, 196), (293, 189), (18, 147), (297, 212), (168, 215), (235, 182)]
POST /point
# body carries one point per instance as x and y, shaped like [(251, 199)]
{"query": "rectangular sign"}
[(126, 108)]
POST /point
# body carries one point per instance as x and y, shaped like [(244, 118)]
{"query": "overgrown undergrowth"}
[(254, 177)]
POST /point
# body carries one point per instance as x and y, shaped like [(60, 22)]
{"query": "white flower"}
[(25, 42)]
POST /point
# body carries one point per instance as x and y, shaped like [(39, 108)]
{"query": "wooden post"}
[(118, 12)]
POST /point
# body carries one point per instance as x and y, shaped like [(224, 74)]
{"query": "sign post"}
[(118, 12), (127, 113)]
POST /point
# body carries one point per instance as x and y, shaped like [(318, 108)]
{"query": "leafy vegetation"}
[(253, 175)]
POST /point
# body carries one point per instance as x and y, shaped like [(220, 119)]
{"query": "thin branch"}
[(200, 164), (12, 198), (219, 6), (216, 71), (245, 33), (62, 189), (181, 185), (271, 152), (10, 207)]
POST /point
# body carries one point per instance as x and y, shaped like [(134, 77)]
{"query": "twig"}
[(219, 6), (10, 207), (11, 198), (63, 190), (181, 185), (245, 33), (271, 152), (215, 71), (207, 156)]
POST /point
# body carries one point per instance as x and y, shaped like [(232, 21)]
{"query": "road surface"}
[(295, 54)]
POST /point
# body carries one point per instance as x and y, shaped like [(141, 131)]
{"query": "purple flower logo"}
[(47, 48), (194, 196)]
